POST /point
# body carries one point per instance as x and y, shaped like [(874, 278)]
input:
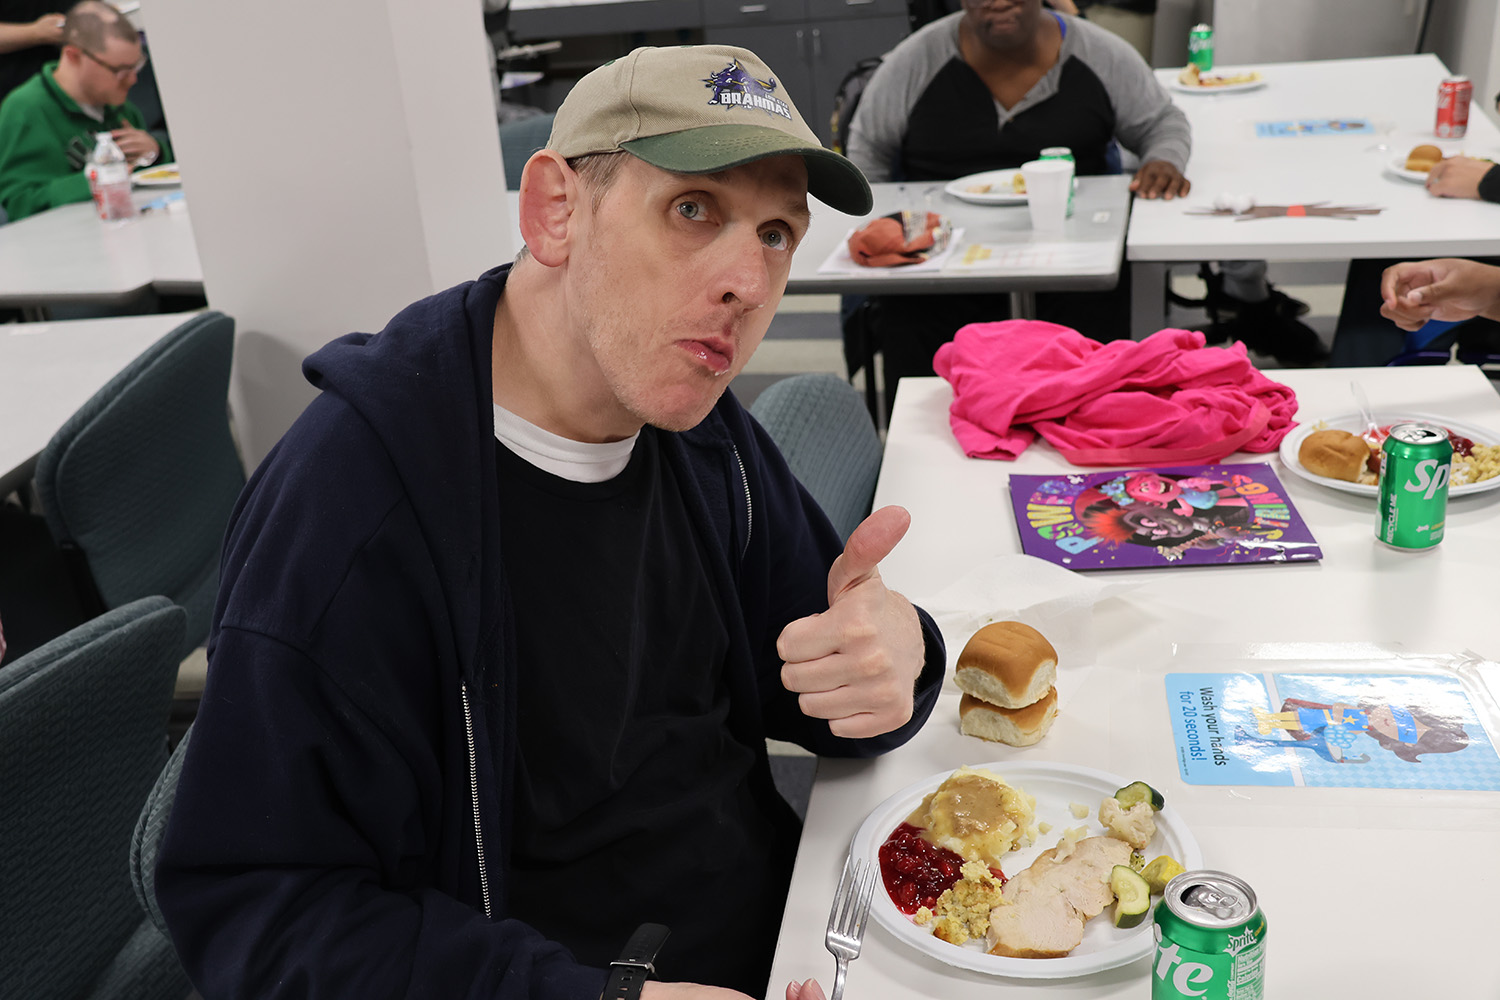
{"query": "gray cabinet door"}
[(835, 47), (786, 48)]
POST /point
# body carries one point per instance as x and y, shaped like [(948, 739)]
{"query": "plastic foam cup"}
[(1047, 185)]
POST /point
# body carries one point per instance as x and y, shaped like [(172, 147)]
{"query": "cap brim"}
[(831, 178)]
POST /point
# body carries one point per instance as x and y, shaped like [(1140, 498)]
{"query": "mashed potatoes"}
[(976, 815)]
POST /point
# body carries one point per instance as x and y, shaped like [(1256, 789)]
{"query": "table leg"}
[(1148, 298), (1023, 305)]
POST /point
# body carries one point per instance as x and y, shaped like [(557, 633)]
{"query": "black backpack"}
[(846, 100)]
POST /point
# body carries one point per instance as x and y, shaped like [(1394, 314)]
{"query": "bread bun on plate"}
[(1008, 664), (1334, 454), (1019, 727), (1423, 158)]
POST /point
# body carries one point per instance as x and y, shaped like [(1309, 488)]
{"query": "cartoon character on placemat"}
[(1331, 730), (1184, 494), (1109, 512)]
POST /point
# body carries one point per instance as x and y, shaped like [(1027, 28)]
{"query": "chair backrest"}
[(150, 829), (518, 140), (821, 425), (142, 479), (82, 737)]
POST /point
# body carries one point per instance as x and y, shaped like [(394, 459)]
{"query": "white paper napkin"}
[(1057, 602)]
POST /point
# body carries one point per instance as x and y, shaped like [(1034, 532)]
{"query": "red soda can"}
[(1454, 95)]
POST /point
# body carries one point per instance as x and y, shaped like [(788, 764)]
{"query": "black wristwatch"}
[(629, 972)]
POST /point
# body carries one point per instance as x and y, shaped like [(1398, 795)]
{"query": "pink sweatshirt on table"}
[(1164, 400)]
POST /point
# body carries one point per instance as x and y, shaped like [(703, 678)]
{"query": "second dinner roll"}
[(1019, 727), (1335, 454), (1007, 664), (1423, 158)]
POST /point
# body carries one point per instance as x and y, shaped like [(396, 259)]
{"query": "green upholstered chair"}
[(138, 485), (821, 425), (518, 140), (82, 738), (151, 829)]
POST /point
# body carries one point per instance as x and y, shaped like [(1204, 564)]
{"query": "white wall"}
[(1465, 34), (341, 160)]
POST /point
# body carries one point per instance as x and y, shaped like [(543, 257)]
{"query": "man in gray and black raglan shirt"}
[(991, 86), (928, 114)]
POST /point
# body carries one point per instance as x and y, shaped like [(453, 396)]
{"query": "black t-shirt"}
[(632, 802)]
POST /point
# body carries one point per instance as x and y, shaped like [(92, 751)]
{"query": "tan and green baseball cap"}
[(696, 109)]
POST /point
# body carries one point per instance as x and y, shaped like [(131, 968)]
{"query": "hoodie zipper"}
[(749, 506), (484, 874)]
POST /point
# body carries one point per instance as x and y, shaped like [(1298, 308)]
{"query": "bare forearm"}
[(14, 37)]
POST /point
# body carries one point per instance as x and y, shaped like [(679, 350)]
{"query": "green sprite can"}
[(1415, 463), (1201, 47), (1063, 153), (1210, 940)]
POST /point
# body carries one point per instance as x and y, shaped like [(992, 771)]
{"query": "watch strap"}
[(636, 964)]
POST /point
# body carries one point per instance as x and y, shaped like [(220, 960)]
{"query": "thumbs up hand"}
[(856, 664)]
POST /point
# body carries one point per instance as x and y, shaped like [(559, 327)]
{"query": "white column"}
[(340, 159)]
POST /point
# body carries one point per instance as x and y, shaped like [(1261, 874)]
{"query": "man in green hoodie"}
[(48, 124)]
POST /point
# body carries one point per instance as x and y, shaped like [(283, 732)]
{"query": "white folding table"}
[(1396, 95)]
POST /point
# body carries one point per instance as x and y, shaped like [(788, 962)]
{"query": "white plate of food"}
[(1291, 445), (1056, 787), (1396, 166), (163, 175), (1191, 81), (992, 187)]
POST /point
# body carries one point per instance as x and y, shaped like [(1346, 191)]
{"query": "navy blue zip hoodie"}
[(341, 824)]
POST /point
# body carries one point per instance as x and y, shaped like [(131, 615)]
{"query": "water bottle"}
[(109, 179)]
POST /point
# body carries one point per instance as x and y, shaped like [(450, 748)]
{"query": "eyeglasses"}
[(120, 72)]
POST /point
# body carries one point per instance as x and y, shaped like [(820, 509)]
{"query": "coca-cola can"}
[(1454, 95)]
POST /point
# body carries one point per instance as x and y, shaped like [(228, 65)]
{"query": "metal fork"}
[(846, 919)]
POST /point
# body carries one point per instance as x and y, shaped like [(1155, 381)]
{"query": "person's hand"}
[(1159, 179), (1457, 177), (1444, 289), (856, 664), (689, 991), (809, 990), (135, 143), (48, 29)]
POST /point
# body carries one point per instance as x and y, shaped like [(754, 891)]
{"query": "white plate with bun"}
[(1055, 787), (1188, 82), (992, 187), (1291, 445), (1397, 167)]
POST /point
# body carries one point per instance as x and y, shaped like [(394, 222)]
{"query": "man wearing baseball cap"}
[(507, 617)]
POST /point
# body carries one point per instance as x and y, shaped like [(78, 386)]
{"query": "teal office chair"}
[(138, 485), (518, 140), (82, 738), (821, 425)]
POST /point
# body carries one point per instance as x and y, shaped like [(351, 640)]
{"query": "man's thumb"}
[(871, 542)]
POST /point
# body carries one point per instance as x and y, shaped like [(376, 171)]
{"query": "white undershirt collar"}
[(577, 461)]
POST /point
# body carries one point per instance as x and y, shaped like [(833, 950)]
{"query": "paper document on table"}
[(1330, 729), (1054, 601), (839, 261), (1089, 255)]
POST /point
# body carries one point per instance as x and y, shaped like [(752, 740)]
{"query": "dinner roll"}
[(1020, 727), (1008, 664), (1335, 454), (1423, 158)]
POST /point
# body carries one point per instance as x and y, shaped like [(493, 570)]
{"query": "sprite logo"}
[(1239, 942), (1428, 477), (1185, 977)]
